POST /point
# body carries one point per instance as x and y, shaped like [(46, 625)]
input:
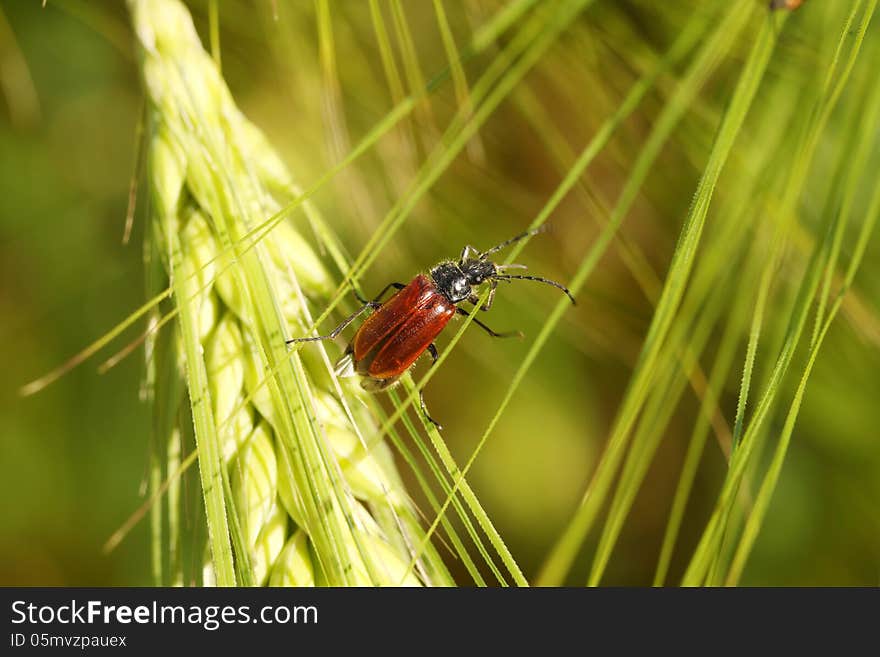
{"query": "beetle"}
[(402, 328)]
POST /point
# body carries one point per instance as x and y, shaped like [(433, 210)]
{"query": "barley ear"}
[(292, 493)]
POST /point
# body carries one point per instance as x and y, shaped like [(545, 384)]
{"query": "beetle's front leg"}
[(474, 299), (465, 253)]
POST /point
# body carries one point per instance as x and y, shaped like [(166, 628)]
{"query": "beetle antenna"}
[(529, 233), (507, 277)]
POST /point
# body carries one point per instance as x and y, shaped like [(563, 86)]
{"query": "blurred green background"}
[(74, 456)]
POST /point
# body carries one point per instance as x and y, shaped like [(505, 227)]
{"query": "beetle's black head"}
[(478, 271), (457, 280)]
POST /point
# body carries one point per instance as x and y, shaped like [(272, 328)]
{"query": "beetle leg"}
[(396, 286), (432, 349), (466, 251), (507, 334), (348, 320), (474, 299), (491, 299)]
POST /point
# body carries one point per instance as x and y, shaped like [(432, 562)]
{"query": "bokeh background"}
[(73, 457)]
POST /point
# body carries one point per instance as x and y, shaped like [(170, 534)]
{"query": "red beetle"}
[(402, 328)]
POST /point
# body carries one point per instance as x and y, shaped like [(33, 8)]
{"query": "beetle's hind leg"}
[(377, 385), (426, 414), (348, 320), (432, 349), (372, 305)]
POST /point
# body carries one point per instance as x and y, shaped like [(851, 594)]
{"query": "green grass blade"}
[(210, 465), (771, 478), (562, 556), (835, 81)]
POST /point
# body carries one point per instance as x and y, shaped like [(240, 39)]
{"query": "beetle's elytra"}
[(397, 333), (402, 328)]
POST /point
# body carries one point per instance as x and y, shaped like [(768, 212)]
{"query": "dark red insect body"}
[(402, 328), (398, 332)]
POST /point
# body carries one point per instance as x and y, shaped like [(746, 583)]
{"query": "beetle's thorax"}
[(456, 281), (451, 281)]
